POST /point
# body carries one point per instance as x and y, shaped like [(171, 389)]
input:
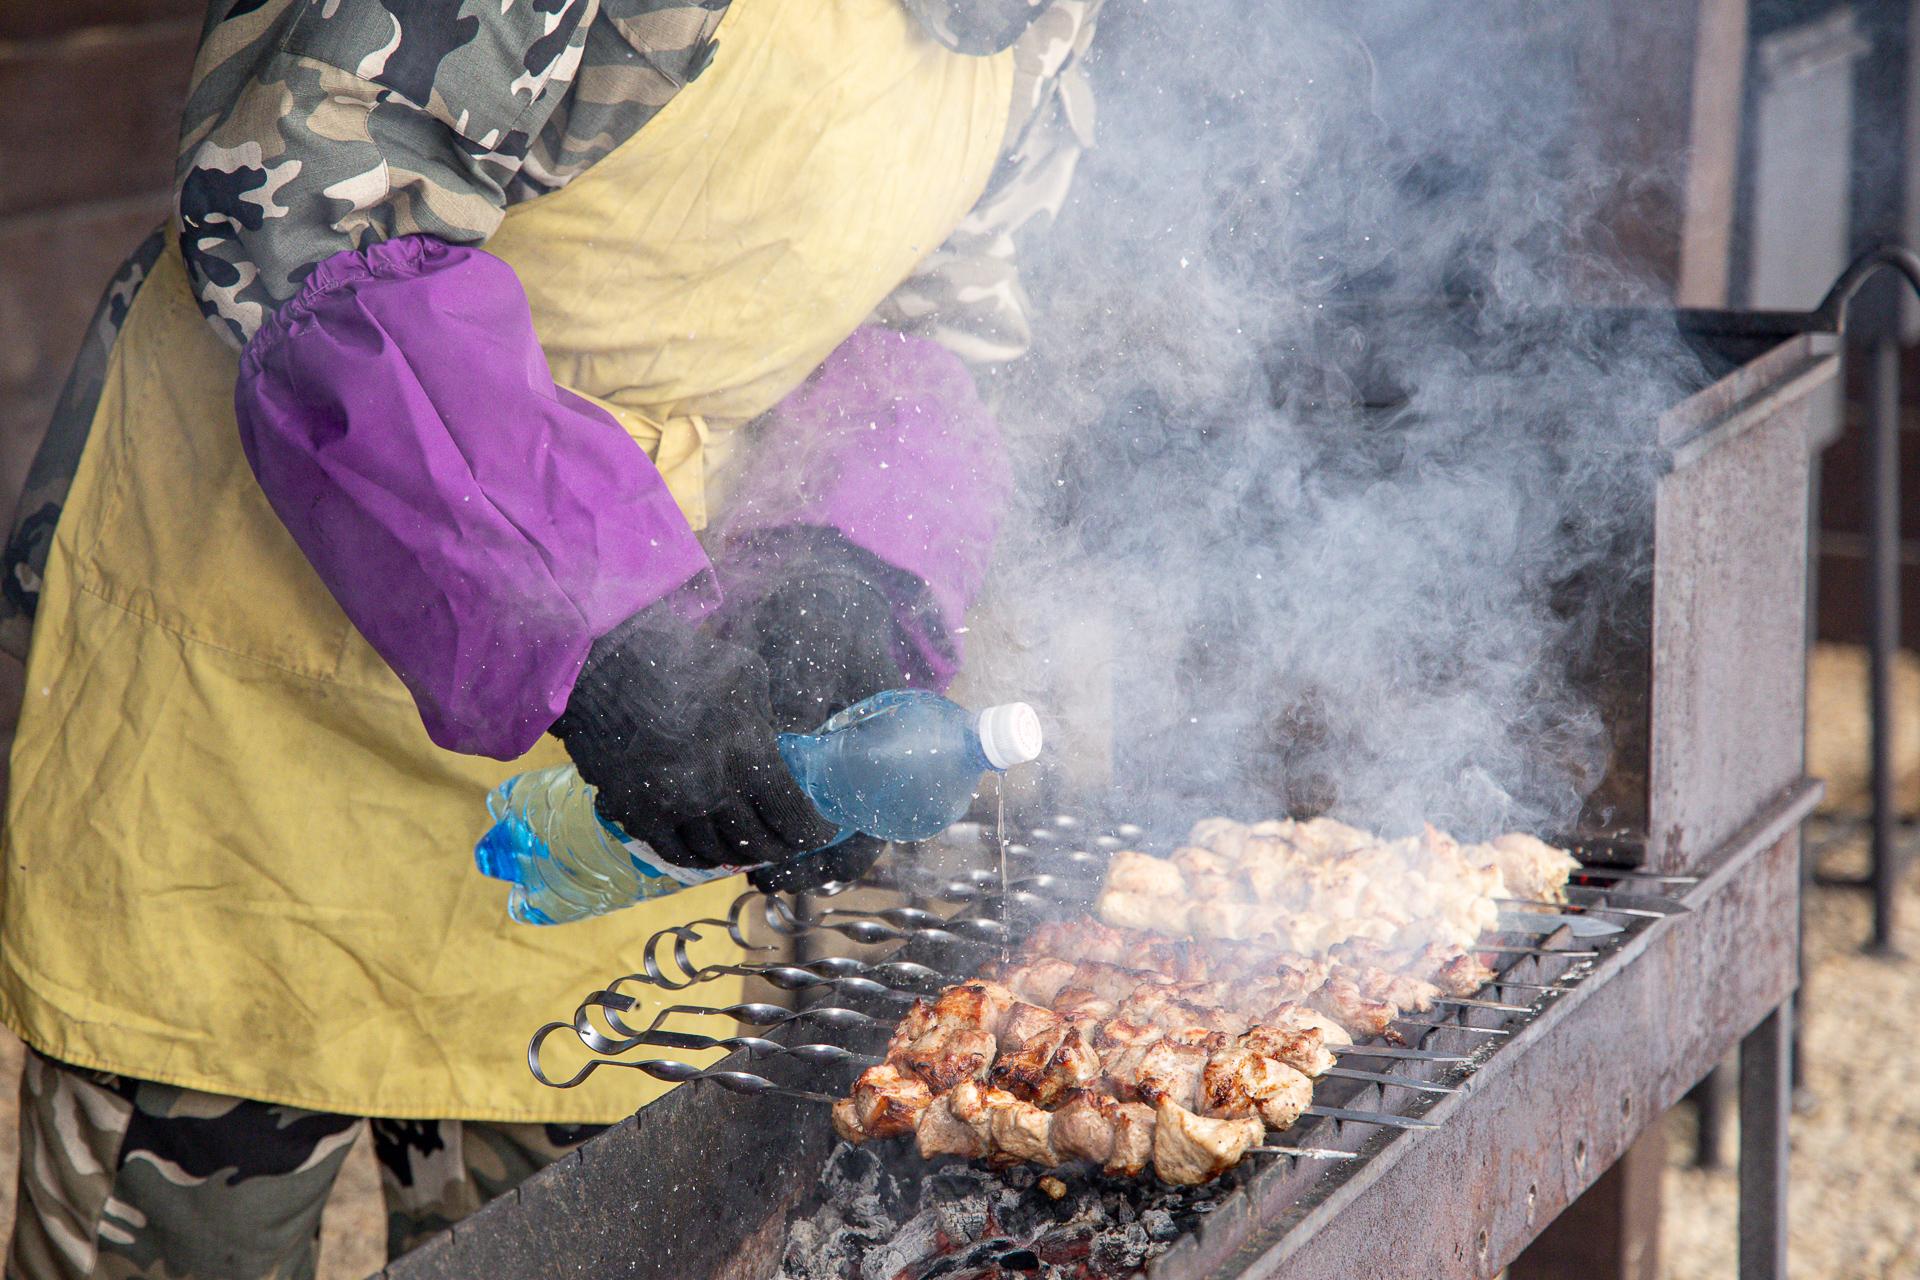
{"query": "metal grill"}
[(1703, 690)]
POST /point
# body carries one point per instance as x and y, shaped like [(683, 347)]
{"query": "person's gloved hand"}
[(672, 724), (847, 860), (818, 614)]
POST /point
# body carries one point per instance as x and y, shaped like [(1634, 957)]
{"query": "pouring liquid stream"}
[(1000, 842)]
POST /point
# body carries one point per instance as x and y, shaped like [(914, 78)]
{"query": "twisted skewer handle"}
[(662, 1069)]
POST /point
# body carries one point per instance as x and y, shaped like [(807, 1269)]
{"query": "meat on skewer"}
[(1117, 1136), (1194, 1014), (1363, 1000), (974, 1121), (1310, 886), (1249, 978)]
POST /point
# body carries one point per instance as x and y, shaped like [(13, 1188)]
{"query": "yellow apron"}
[(234, 861)]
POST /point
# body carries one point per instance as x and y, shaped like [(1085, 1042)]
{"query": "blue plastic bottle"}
[(902, 765)]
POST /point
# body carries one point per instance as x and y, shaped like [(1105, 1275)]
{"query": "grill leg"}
[(1612, 1232), (1711, 1098), (1766, 1095), (1884, 625)]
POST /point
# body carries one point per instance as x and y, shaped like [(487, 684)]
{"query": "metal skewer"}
[(1368, 1117), (1631, 873), (1526, 923), (750, 1014), (1633, 898), (1596, 908), (1459, 1002), (1385, 1078), (1455, 1026), (1399, 1053), (1304, 1153), (681, 1072), (1512, 949)]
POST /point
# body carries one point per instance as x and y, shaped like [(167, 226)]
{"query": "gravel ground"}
[(1855, 1207), (1855, 1200)]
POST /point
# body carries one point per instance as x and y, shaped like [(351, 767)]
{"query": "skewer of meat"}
[(977, 1121), (1191, 1100), (1363, 999), (1311, 886)]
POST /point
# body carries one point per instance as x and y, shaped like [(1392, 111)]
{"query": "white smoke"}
[(1294, 555)]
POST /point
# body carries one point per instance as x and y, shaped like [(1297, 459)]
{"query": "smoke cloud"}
[(1326, 493)]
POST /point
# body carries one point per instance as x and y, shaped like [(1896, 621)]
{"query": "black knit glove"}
[(673, 726), (823, 622)]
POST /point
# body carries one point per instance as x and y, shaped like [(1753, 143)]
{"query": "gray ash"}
[(887, 1215)]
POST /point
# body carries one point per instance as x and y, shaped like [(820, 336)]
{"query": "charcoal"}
[(1118, 1252), (1062, 1247), (884, 1214), (913, 1243), (957, 1180), (963, 1219)]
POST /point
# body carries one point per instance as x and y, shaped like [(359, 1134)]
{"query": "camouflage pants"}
[(123, 1178)]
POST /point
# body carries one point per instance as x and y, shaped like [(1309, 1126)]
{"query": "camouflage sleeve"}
[(967, 294), (314, 126)]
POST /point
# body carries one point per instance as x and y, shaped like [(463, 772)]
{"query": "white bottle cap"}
[(1010, 734)]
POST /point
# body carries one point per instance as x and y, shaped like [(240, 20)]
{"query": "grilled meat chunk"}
[(846, 1124), (1021, 1132), (1078, 940), (887, 1101), (1040, 980), (917, 1022), (1130, 872), (978, 1004), (1228, 919), (1153, 954), (1361, 1016), (947, 1055), (1302, 1048), (1015, 1130), (1147, 912), (1198, 860), (1118, 1136), (1023, 1022), (1111, 981), (944, 1133), (1462, 974), (1165, 1004), (1223, 836), (1532, 868), (1081, 1006), (1169, 1072), (1240, 1082), (1085, 1125), (1295, 1016), (1132, 1141), (1189, 1149), (1046, 1066), (1396, 989)]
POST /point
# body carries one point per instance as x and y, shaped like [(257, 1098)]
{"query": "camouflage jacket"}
[(314, 126)]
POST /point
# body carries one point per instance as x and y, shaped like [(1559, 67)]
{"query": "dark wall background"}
[(93, 91)]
